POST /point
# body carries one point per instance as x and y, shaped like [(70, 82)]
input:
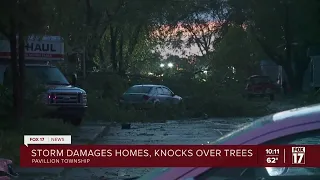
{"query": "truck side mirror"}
[(74, 79)]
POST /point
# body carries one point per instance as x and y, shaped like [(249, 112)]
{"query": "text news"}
[(166, 156)]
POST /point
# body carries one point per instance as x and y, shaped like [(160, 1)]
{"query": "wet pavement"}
[(171, 132)]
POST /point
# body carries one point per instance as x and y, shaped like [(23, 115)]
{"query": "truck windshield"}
[(46, 74), (39, 74)]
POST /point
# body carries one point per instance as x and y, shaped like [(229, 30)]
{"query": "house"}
[(311, 78), (271, 69)]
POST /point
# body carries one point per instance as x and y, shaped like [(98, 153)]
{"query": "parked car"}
[(148, 96), (297, 126), (260, 86)]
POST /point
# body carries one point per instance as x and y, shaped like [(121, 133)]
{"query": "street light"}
[(170, 65), (161, 65)]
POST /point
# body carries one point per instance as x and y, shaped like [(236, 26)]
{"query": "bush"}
[(11, 138), (11, 132)]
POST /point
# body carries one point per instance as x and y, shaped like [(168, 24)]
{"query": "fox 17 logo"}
[(298, 155)]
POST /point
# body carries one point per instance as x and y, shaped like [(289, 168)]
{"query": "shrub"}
[(11, 133), (12, 138)]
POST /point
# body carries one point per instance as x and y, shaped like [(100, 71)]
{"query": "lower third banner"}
[(167, 156)]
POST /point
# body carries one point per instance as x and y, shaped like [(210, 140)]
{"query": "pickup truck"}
[(62, 99)]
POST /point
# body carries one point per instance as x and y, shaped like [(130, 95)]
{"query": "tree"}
[(237, 53), (200, 24), (284, 30), (128, 29), (16, 21)]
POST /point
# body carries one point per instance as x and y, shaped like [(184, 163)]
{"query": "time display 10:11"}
[(272, 151)]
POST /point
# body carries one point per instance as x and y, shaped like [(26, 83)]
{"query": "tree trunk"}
[(113, 48), (89, 11), (290, 75), (295, 79), (15, 72), (101, 55), (21, 48), (120, 55), (133, 41)]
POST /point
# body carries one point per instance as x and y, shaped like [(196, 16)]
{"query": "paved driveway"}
[(171, 132)]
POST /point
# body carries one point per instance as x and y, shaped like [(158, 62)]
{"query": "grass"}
[(11, 138)]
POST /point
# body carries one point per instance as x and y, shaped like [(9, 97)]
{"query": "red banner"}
[(168, 156)]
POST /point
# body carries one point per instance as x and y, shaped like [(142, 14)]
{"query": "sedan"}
[(296, 126), (149, 96)]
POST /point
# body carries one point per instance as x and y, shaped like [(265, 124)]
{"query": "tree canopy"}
[(124, 36)]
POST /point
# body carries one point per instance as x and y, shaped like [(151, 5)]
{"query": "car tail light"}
[(145, 97)]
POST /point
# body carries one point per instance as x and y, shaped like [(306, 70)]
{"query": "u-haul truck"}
[(62, 99)]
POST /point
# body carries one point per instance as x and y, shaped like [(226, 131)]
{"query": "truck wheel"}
[(76, 121)]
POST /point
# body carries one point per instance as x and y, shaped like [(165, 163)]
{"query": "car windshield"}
[(139, 89), (46, 74)]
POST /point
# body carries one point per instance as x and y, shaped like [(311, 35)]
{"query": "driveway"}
[(171, 132)]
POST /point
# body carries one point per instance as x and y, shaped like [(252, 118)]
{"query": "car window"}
[(159, 91), (166, 91), (307, 138), (139, 89)]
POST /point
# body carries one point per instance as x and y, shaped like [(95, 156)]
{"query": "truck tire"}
[(76, 121)]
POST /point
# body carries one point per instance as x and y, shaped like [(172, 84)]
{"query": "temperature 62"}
[(272, 160)]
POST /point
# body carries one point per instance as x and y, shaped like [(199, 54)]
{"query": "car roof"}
[(306, 117), (305, 111), (148, 85), (275, 122)]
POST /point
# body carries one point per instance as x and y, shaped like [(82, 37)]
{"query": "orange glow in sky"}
[(184, 32)]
